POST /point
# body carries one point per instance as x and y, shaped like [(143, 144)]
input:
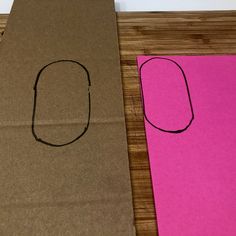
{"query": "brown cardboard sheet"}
[(63, 159)]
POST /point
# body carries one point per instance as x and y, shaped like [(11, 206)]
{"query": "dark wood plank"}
[(162, 34)]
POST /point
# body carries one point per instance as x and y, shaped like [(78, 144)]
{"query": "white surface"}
[(156, 5), (5, 6), (174, 5)]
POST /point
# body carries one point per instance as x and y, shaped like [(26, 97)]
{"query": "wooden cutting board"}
[(159, 34)]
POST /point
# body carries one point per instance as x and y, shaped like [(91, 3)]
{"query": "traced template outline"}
[(35, 104), (188, 92)]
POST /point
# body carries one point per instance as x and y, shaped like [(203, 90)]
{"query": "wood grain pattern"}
[(160, 34)]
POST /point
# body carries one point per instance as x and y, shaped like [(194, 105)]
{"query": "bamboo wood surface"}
[(184, 33)]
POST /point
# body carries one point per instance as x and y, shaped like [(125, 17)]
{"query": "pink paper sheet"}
[(190, 120)]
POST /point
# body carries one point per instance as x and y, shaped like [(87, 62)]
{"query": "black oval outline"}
[(35, 102), (188, 92)]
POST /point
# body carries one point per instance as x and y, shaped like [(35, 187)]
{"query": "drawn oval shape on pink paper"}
[(62, 104), (166, 97)]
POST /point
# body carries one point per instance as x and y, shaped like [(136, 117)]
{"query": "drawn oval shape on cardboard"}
[(166, 97), (62, 103)]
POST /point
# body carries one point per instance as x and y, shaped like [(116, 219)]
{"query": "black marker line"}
[(188, 92), (35, 104)]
